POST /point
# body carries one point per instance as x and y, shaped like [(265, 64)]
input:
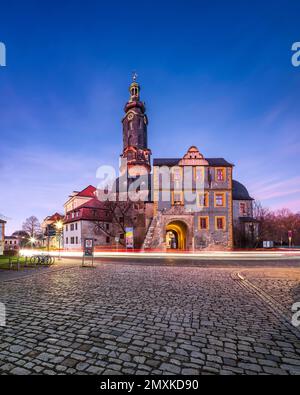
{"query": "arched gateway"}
[(176, 235)]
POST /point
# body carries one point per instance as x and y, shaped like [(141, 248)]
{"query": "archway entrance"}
[(176, 232)]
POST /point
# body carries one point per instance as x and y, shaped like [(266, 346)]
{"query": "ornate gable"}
[(193, 158)]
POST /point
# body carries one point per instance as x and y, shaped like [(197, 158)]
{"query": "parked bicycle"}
[(42, 260)]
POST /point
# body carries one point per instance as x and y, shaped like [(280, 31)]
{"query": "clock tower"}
[(135, 141)]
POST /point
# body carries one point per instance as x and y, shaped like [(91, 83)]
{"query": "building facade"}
[(189, 203), (84, 218), (52, 233)]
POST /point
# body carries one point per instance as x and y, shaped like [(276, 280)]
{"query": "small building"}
[(52, 235), (246, 227), (85, 214), (2, 233), (11, 243)]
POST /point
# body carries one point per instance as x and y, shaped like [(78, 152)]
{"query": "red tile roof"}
[(87, 192), (55, 217), (92, 210)]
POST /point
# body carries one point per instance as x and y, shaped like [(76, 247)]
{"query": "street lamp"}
[(59, 226), (32, 241)]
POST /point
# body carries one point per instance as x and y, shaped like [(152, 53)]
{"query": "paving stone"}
[(176, 320)]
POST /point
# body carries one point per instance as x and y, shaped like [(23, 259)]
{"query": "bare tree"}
[(32, 226), (122, 214), (275, 225)]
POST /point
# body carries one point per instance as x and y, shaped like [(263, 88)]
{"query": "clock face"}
[(130, 117)]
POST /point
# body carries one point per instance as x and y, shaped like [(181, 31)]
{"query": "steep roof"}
[(93, 203), (87, 192), (55, 217), (215, 162), (239, 191)]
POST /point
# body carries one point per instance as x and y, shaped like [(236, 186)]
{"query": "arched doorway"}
[(176, 235)]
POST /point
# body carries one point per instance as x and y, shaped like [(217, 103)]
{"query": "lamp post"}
[(32, 241), (59, 226)]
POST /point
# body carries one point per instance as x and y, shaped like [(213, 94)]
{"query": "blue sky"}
[(214, 74)]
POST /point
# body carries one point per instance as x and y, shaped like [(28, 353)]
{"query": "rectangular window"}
[(107, 226), (220, 223), (177, 174), (243, 209), (220, 199), (177, 198), (203, 223), (220, 174), (76, 239), (67, 228), (107, 240), (76, 226), (199, 174), (72, 240), (72, 226), (203, 199), (67, 240)]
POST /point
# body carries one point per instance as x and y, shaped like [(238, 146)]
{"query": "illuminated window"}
[(220, 174), (203, 223), (199, 173), (220, 199), (203, 199), (220, 223), (177, 198)]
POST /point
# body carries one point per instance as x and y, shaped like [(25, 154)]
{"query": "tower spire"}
[(135, 122)]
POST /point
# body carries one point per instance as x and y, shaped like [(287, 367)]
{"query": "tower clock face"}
[(130, 117)]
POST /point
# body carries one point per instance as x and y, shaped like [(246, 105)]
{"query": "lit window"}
[(220, 200), (203, 199), (220, 223), (203, 223), (220, 174), (199, 173), (177, 198), (177, 174)]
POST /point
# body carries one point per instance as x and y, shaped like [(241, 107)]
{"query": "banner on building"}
[(129, 237)]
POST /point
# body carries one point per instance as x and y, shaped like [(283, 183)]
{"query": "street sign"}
[(88, 247), (88, 251)]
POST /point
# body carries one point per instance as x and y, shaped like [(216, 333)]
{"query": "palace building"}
[(189, 203)]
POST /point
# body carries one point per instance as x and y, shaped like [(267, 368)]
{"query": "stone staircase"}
[(154, 238)]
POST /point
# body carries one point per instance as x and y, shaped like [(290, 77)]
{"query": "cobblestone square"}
[(149, 319)]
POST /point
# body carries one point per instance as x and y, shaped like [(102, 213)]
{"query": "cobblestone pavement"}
[(122, 319), (282, 284)]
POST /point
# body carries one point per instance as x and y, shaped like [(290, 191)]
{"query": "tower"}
[(135, 144)]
